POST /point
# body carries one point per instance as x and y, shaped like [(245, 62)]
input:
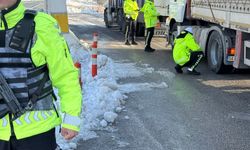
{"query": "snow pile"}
[(166, 73), (103, 97), (110, 116), (83, 6)]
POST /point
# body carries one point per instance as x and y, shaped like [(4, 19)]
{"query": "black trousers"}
[(195, 59), (44, 141), (130, 29), (149, 36)]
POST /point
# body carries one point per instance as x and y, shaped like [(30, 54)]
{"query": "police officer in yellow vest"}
[(34, 57), (187, 53), (150, 18), (131, 10)]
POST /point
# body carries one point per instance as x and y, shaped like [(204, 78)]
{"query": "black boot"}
[(178, 69), (134, 43), (127, 43), (149, 49), (152, 49)]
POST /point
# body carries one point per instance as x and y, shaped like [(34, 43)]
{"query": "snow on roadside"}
[(86, 7), (166, 73), (103, 97)]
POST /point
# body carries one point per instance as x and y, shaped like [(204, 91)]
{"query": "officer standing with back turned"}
[(150, 19), (131, 10)]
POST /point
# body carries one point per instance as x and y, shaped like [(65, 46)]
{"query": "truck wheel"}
[(215, 54), (140, 29), (121, 21), (173, 35), (106, 18)]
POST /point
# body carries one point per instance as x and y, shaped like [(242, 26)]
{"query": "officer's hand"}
[(128, 17), (68, 134)]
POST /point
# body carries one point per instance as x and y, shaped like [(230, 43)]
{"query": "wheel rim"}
[(214, 52), (172, 37)]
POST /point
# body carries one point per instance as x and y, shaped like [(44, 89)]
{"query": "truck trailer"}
[(221, 27)]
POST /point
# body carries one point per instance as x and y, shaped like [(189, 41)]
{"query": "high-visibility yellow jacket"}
[(49, 48), (130, 7), (184, 44), (150, 14)]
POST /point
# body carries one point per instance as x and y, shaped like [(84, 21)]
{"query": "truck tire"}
[(173, 35), (140, 29), (106, 18), (215, 54), (121, 21)]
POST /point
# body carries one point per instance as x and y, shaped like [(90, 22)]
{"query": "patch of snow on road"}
[(103, 97)]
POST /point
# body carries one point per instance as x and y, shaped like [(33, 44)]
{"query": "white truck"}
[(221, 27)]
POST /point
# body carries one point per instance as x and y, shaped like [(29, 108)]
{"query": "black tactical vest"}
[(16, 65)]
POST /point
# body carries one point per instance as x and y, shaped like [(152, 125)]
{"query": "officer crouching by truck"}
[(186, 52)]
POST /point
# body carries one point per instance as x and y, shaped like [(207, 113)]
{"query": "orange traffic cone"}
[(94, 54)]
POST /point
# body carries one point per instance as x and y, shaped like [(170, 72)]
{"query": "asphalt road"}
[(207, 112)]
